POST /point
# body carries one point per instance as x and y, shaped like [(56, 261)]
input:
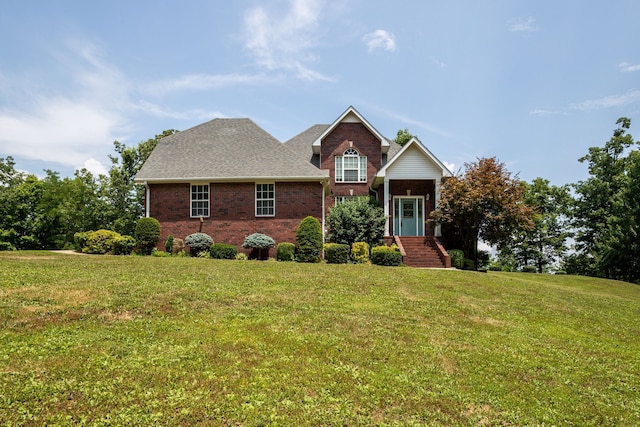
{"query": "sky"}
[(533, 83)]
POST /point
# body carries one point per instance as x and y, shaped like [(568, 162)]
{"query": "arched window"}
[(351, 166)]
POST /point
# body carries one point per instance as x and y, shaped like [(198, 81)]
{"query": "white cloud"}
[(450, 166), (522, 25), (205, 81), (284, 41), (608, 101), (380, 39), (94, 166), (625, 67), (164, 112)]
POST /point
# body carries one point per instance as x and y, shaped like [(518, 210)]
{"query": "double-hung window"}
[(351, 167), (265, 200), (199, 200)]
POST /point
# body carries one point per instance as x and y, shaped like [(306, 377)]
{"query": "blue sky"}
[(533, 83)]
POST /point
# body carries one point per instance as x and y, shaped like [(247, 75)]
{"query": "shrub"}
[(198, 242), (260, 244), (6, 246), (358, 220), (223, 251), (386, 255), (101, 242), (309, 240), (147, 234), (336, 253), (124, 245), (159, 254), (168, 245), (529, 269), (241, 256), (286, 251), (177, 247), (80, 239), (469, 264), (360, 252), (457, 258)]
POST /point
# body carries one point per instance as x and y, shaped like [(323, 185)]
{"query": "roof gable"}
[(225, 149), (351, 115)]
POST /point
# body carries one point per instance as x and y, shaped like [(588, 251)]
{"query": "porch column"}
[(386, 206), (437, 232)]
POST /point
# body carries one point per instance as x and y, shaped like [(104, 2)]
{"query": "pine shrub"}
[(198, 242), (147, 234), (168, 245), (309, 240)]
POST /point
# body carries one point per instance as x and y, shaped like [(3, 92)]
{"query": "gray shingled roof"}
[(301, 143), (225, 149)]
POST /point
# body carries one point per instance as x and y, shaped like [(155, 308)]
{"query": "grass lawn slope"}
[(103, 340)]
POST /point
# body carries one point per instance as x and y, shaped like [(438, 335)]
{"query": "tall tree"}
[(485, 203), (608, 208), (545, 242)]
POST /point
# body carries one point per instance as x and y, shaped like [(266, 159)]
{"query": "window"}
[(200, 200), (265, 200), (351, 167)]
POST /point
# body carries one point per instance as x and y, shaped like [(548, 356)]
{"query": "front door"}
[(408, 219)]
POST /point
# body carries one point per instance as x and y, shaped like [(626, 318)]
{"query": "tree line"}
[(590, 227)]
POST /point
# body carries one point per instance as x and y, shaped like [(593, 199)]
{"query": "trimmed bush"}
[(336, 253), (359, 219), (457, 258), (168, 245), (147, 234), (124, 245), (260, 244), (286, 251), (386, 255), (309, 240), (360, 252), (198, 242), (101, 242), (223, 251)]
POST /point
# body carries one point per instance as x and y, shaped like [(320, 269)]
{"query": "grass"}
[(101, 340)]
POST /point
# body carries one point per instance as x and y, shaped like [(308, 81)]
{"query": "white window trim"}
[(265, 199), (361, 172), (207, 200)]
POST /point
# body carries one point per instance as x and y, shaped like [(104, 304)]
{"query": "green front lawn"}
[(103, 340)]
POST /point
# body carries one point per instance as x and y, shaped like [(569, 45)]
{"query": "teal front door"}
[(408, 219)]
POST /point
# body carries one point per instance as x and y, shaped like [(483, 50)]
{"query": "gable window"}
[(200, 200), (351, 167), (265, 200)]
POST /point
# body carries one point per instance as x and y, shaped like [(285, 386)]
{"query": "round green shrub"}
[(198, 242), (386, 255), (80, 239), (223, 251), (147, 233), (124, 245), (336, 253), (309, 240), (101, 242), (168, 244), (286, 251), (360, 252)]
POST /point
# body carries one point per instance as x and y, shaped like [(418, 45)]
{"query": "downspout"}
[(147, 202)]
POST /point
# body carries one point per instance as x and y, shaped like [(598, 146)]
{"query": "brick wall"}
[(336, 143), (232, 211)]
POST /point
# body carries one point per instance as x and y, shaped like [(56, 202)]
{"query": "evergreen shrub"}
[(223, 251), (386, 255), (286, 251), (168, 244), (457, 258), (101, 242), (260, 244), (198, 242), (124, 245), (336, 253), (309, 240), (80, 239), (147, 233), (360, 252)]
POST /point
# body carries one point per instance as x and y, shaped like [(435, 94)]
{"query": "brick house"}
[(229, 178)]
